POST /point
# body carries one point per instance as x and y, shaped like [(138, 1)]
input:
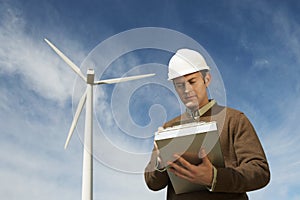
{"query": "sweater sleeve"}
[(250, 171), (154, 179)]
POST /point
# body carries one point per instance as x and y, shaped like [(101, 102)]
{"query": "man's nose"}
[(188, 87)]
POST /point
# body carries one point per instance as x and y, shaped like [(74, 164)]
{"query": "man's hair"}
[(204, 72)]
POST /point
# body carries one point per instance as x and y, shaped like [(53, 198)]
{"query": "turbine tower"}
[(87, 98)]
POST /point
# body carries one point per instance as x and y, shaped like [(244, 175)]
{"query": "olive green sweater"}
[(246, 166)]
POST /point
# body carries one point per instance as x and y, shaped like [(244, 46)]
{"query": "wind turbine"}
[(87, 97)]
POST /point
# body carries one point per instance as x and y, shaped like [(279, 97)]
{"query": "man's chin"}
[(191, 106)]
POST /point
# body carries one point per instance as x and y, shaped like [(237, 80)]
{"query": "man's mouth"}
[(188, 98)]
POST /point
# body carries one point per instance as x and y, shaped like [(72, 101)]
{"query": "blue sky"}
[(254, 46)]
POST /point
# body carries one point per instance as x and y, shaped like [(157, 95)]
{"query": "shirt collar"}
[(198, 113)]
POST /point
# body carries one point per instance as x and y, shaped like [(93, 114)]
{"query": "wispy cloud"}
[(33, 162), (280, 137), (281, 142), (35, 109), (39, 68), (36, 87)]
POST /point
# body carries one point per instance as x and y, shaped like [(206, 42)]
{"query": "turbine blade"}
[(67, 60), (119, 80), (76, 117)]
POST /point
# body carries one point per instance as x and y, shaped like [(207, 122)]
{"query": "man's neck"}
[(197, 113)]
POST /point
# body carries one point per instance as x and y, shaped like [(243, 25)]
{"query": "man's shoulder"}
[(229, 112), (232, 111), (221, 110)]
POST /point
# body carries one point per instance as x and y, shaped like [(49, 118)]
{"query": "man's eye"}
[(179, 85)]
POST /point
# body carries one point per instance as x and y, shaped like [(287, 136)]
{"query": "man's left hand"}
[(199, 174)]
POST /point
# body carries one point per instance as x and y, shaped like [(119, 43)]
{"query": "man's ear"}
[(207, 79)]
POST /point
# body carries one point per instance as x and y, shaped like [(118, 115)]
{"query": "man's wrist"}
[(158, 166), (214, 179)]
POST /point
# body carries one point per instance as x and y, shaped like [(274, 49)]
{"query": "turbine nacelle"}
[(90, 76)]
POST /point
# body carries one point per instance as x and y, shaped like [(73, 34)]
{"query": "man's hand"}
[(199, 174)]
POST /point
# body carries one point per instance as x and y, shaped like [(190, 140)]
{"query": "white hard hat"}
[(186, 61)]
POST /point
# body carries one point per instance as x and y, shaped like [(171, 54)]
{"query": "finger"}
[(179, 171), (155, 146), (183, 162), (160, 129), (181, 165), (178, 167)]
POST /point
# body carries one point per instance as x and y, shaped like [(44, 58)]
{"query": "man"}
[(246, 168)]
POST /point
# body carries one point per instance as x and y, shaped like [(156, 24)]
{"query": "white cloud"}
[(37, 119), (288, 31), (261, 63), (33, 128), (281, 143), (33, 162), (39, 68), (35, 85)]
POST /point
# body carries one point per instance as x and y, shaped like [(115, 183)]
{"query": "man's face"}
[(191, 89)]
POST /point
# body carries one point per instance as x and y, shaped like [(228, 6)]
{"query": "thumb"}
[(203, 156), (156, 149), (202, 153)]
